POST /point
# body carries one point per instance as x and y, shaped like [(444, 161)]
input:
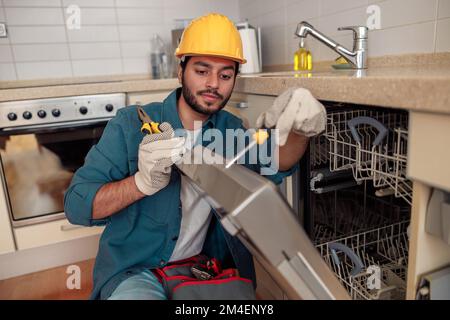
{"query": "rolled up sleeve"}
[(105, 162)]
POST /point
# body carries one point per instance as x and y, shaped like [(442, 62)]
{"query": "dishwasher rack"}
[(384, 256), (372, 143), (351, 211), (355, 193)]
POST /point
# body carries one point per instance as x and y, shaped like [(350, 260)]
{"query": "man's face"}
[(207, 83)]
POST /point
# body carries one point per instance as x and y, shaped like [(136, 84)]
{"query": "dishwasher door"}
[(252, 209)]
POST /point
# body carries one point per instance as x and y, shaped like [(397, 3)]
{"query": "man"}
[(127, 182)]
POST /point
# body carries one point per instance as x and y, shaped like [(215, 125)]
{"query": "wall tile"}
[(188, 12), (275, 18), (5, 53), (273, 46), (444, 9), (329, 25), (32, 3), (96, 16), (89, 3), (143, 33), (96, 67), (135, 49), (37, 34), (7, 72), (247, 9), (99, 50), (328, 7), (302, 10), (141, 3), (136, 65), (406, 39), (34, 16), (267, 6), (93, 34), (114, 36), (140, 16), (40, 52), (43, 70), (402, 12), (230, 8), (443, 35)]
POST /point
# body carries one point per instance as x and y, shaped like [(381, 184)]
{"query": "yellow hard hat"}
[(211, 35)]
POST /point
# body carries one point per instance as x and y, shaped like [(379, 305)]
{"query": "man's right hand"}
[(157, 153)]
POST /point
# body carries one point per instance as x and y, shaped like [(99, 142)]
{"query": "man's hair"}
[(184, 62)]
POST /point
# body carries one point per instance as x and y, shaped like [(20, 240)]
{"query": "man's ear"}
[(180, 73)]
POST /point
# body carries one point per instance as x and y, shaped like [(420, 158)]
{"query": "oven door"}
[(38, 163)]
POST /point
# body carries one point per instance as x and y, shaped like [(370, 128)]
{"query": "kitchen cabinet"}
[(427, 167), (51, 232), (146, 97), (6, 234)]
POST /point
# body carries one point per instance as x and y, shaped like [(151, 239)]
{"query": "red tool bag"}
[(201, 278)]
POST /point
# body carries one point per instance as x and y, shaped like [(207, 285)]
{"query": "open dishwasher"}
[(345, 235), (352, 191)]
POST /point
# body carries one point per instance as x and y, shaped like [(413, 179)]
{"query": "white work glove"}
[(157, 153), (296, 110)]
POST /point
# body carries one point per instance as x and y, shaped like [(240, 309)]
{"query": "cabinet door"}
[(6, 235), (248, 107), (429, 154), (51, 232)]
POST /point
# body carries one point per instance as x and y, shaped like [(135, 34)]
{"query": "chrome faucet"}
[(357, 58)]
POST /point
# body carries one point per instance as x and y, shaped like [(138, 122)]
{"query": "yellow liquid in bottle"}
[(302, 60)]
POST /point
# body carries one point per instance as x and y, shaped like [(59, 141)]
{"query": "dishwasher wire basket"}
[(355, 212), (373, 144), (383, 250)]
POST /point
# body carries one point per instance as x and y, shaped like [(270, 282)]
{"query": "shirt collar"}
[(169, 112)]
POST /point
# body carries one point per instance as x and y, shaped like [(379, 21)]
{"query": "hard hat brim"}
[(211, 54)]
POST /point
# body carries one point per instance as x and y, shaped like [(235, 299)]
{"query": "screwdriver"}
[(259, 137)]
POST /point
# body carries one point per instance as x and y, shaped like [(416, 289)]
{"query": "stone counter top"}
[(413, 88), (425, 88)]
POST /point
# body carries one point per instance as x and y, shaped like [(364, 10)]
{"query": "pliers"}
[(148, 125)]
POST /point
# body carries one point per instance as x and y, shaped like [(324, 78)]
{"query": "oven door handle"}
[(68, 227)]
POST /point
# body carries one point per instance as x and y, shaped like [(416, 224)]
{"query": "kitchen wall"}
[(114, 37), (115, 34), (407, 26)]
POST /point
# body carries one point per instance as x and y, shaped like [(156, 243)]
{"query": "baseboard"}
[(37, 259)]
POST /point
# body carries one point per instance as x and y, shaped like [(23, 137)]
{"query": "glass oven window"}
[(38, 167)]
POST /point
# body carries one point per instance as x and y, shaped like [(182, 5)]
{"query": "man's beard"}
[(191, 100)]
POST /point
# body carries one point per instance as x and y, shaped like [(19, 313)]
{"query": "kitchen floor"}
[(48, 284)]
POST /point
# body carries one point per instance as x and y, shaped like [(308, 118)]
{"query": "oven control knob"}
[(109, 107), (41, 113), (12, 116), (56, 112), (83, 110), (27, 115)]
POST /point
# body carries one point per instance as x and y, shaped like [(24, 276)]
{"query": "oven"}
[(42, 143)]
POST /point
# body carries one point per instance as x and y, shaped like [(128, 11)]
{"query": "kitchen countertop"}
[(408, 87), (422, 88)]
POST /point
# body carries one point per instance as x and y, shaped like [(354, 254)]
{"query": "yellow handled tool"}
[(148, 126), (259, 137)]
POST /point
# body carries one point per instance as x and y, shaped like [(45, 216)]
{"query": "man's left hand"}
[(294, 110)]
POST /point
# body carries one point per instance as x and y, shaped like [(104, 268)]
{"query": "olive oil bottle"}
[(302, 58)]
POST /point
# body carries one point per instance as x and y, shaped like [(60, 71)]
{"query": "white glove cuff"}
[(141, 185)]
